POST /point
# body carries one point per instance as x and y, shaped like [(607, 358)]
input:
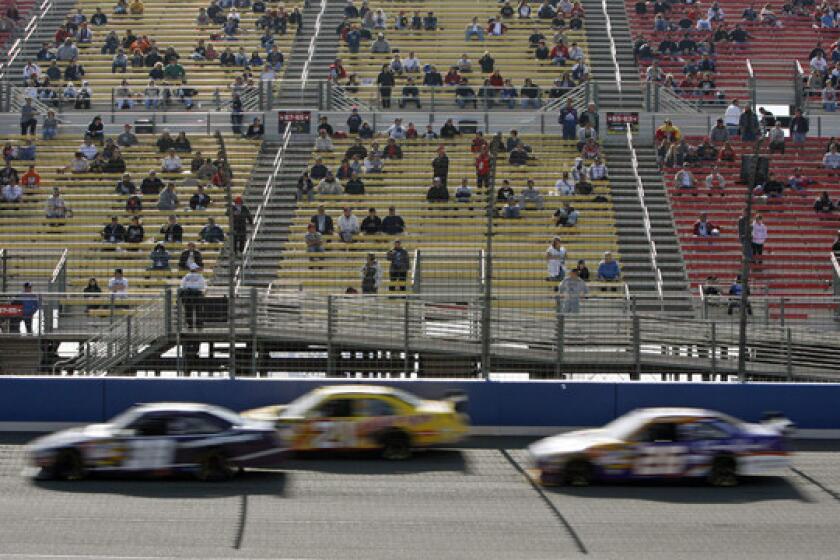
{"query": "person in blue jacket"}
[(29, 302), (568, 119)]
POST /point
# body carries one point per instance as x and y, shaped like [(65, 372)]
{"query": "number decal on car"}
[(660, 460), (150, 454), (330, 435)]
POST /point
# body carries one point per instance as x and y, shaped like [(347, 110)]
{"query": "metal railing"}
[(304, 74), (835, 282), (581, 95), (613, 49), (32, 26)]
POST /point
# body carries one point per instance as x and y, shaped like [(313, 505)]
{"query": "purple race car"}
[(210, 442)]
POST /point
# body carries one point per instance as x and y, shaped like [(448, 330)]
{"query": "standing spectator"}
[(313, 239), (236, 116), (776, 135), (748, 125), (759, 237), (608, 269), (29, 306), (831, 160), (398, 257), (732, 117), (482, 168), (28, 118), (745, 235), (371, 275), (348, 225), (568, 119), (440, 165), (571, 289), (385, 80), (191, 292), (799, 128), (241, 220), (555, 257)]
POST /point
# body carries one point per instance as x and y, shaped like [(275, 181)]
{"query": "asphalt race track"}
[(461, 504)]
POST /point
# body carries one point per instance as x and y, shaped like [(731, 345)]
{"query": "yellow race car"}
[(358, 417)]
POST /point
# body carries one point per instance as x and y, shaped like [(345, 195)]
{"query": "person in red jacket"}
[(482, 168), (479, 144)]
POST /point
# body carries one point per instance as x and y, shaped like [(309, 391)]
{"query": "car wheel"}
[(68, 465), (214, 467), (578, 472), (723, 472), (396, 446)]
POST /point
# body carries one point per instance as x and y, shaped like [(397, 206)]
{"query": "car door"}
[(657, 451), (331, 425), (195, 432), (373, 415), (147, 445)]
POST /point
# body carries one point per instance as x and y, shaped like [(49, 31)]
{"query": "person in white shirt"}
[(396, 130), (373, 163), (575, 52), (348, 226), (323, 143), (267, 74), (831, 160), (31, 70), (565, 185), (684, 179), (118, 285), (715, 180), (732, 117), (56, 206), (759, 237), (531, 194), (654, 73), (819, 63), (598, 171), (171, 163), (412, 63), (88, 149), (194, 280), (474, 29), (555, 257), (12, 192), (578, 171), (191, 293)]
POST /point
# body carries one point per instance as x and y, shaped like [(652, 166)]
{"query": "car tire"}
[(396, 446), (723, 472), (214, 467), (578, 472), (68, 465)]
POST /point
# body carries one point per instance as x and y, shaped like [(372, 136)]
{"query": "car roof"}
[(177, 407), (329, 390), (660, 412)]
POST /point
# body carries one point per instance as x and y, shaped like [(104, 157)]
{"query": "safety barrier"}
[(494, 407)]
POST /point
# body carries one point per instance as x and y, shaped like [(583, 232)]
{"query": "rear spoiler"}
[(777, 421), (459, 400)]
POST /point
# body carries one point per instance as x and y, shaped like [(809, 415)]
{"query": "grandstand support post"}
[(788, 354), (713, 348), (542, 123), (4, 263), (559, 332), (179, 351), (167, 311), (746, 254), (330, 336), (782, 311), (252, 298), (432, 98), (406, 333), (487, 281), (128, 336), (637, 349)]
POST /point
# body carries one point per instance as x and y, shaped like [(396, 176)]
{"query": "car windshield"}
[(623, 426), (125, 418), (301, 405), (407, 397)]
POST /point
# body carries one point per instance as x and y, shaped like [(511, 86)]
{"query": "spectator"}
[(398, 270), (735, 291), (200, 200), (835, 248), (668, 132), (114, 232), (464, 94), (704, 228), (759, 237), (323, 223), (12, 192), (512, 210), (437, 192), (684, 178), (715, 180), (748, 125), (56, 206), (732, 117), (371, 275), (608, 269), (392, 150), (28, 118), (831, 160), (211, 233), (518, 156), (171, 163), (323, 143), (172, 230), (719, 133), (241, 219), (504, 193), (566, 216), (474, 29), (776, 135), (191, 293), (393, 224), (313, 239), (582, 270), (440, 165), (463, 193), (31, 179), (372, 223), (255, 130), (568, 119), (135, 233), (448, 130), (824, 204), (118, 285), (159, 257), (30, 304), (151, 184), (571, 289), (555, 257), (329, 185), (531, 194), (189, 257), (797, 181), (799, 127), (50, 129), (598, 171), (126, 137), (348, 225)]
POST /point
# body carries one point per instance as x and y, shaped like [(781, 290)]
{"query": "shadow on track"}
[(750, 490), (254, 483), (369, 463)]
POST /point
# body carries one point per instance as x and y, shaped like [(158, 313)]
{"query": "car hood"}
[(266, 413), (71, 436), (572, 442)]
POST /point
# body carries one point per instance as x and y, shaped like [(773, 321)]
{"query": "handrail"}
[(415, 271), (30, 28), (59, 267), (577, 94), (268, 191), (750, 71), (640, 190), (482, 263), (304, 74), (835, 268), (612, 45)]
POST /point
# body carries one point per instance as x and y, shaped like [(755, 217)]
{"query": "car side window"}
[(334, 408), (657, 431), (374, 407), (196, 424), (149, 426), (696, 431)]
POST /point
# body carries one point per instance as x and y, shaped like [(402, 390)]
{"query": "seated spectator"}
[(211, 233), (57, 207), (831, 160), (323, 223), (772, 187), (323, 143), (728, 153), (12, 192), (410, 94), (464, 94), (531, 194), (392, 150), (182, 143), (329, 185), (171, 163), (354, 185), (190, 257), (518, 156), (565, 185), (590, 150), (474, 29), (505, 192), (88, 150), (200, 200), (313, 239), (168, 199), (714, 180), (126, 137), (463, 193), (151, 185), (512, 209), (318, 171), (135, 233), (704, 228), (159, 257), (373, 163), (348, 225), (114, 232), (372, 223), (79, 164), (449, 130), (31, 179), (824, 204), (256, 130), (798, 181), (684, 178), (172, 230), (608, 269), (393, 224), (598, 171), (776, 135), (707, 152), (437, 192), (719, 133), (566, 216)]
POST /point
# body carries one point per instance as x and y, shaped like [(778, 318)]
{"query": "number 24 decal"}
[(661, 460)]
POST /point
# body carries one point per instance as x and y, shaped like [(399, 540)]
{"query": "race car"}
[(653, 443), (210, 442), (359, 417)]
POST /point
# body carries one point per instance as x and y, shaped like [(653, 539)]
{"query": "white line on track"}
[(112, 557)]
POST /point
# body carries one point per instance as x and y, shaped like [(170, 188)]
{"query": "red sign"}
[(298, 120), (617, 122), (11, 310)]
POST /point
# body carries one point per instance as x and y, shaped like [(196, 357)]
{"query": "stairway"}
[(326, 48), (632, 241), (602, 66), (44, 33)]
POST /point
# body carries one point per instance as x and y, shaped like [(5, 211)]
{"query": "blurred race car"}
[(656, 443), (357, 417), (210, 442)]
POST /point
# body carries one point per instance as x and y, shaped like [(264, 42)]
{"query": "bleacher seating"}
[(24, 8), (771, 50), (454, 227), (93, 200), (443, 47), (795, 261)]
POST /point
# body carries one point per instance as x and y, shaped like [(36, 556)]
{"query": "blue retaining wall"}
[(549, 403)]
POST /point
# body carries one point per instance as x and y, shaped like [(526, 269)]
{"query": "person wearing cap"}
[(555, 257), (171, 163), (608, 269), (242, 218), (371, 275), (668, 132), (29, 306), (571, 289), (191, 293), (399, 259)]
